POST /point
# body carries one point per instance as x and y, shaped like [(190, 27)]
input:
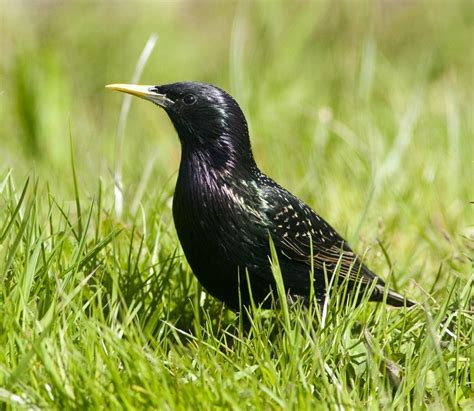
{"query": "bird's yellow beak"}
[(149, 93)]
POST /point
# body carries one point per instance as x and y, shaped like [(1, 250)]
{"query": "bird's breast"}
[(220, 231), (214, 211)]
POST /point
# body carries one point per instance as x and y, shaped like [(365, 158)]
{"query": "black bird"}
[(225, 209)]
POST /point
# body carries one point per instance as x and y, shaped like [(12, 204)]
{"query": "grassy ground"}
[(363, 109)]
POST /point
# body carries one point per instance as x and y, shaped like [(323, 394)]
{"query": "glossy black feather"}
[(225, 209)]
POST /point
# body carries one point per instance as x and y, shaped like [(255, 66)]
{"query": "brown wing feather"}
[(329, 257)]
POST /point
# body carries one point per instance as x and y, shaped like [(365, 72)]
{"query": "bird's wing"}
[(300, 234), (329, 257)]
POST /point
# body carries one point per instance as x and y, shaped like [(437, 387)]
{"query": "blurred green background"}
[(362, 108)]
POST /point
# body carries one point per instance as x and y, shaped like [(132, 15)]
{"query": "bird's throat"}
[(221, 159)]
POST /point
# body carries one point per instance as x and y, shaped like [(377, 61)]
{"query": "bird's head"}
[(207, 119)]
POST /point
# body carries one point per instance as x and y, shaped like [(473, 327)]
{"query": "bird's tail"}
[(393, 298)]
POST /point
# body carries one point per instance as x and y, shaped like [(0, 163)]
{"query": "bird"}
[(228, 214)]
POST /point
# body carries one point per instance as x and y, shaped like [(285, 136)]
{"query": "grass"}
[(359, 111)]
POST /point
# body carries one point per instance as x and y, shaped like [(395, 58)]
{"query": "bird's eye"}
[(189, 99)]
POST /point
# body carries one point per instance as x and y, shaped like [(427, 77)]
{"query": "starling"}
[(225, 210)]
